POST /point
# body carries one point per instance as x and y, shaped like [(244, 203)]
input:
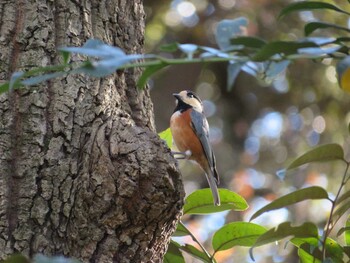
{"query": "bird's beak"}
[(176, 95)]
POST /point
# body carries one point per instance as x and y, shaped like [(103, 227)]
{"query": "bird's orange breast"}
[(184, 136)]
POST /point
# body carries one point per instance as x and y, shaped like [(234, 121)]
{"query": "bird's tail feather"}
[(213, 186)]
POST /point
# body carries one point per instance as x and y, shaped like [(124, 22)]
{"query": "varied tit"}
[(190, 131)]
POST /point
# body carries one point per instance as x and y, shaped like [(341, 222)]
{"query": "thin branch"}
[(199, 243), (329, 227)]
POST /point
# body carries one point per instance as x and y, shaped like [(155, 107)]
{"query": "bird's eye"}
[(190, 95)]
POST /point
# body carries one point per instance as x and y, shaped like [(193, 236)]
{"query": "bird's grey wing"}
[(201, 128)]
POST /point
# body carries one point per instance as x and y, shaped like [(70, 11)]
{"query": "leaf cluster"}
[(255, 56), (311, 245)]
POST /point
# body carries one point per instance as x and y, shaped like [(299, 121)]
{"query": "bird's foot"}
[(182, 155)]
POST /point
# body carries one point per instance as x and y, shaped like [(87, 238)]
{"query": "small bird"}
[(190, 131)]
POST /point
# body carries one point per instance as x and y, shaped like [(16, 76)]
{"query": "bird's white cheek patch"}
[(176, 114)]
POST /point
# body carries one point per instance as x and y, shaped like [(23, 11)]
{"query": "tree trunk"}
[(82, 171)]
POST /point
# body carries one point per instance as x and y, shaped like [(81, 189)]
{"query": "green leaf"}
[(334, 251), (4, 87), (167, 137), (173, 254), (309, 5), (346, 250), (46, 69), (341, 210), (33, 77), (203, 255), (237, 234), (210, 52), (285, 230), (308, 248), (323, 153), (343, 197), (195, 252), (16, 258), (228, 29), (343, 230), (342, 39), (248, 42), (298, 241), (147, 73), (172, 47), (284, 48), (253, 68), (312, 250), (201, 202), (306, 257), (42, 78), (92, 69), (315, 52), (311, 246), (233, 70), (15, 80), (106, 66), (181, 230), (320, 41), (109, 58), (347, 232), (312, 26), (96, 48), (188, 49), (274, 69), (313, 192), (267, 71), (66, 56)]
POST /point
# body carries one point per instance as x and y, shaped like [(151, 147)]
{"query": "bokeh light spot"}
[(205, 90), (280, 154), (190, 21), (186, 9), (268, 126), (309, 96), (281, 84), (295, 119), (209, 108), (319, 124), (172, 18), (307, 16), (201, 5), (215, 135), (331, 74), (313, 138), (252, 145), (214, 221), (227, 4), (155, 32), (256, 179), (272, 218)]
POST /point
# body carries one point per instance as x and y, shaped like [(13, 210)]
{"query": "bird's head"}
[(189, 98)]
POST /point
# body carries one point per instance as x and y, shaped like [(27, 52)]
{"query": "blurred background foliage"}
[(256, 129)]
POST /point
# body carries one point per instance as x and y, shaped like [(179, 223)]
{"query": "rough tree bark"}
[(82, 171)]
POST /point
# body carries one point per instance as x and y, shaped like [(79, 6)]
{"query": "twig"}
[(329, 227)]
